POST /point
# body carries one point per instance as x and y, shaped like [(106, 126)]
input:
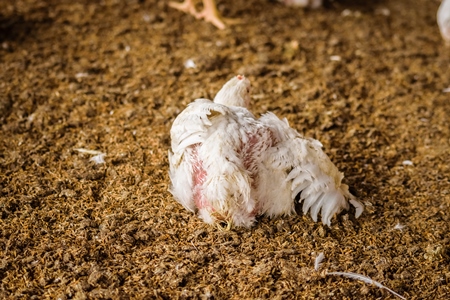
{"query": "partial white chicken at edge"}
[(229, 167), (443, 20)]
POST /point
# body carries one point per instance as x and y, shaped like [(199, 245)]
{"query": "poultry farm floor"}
[(366, 78)]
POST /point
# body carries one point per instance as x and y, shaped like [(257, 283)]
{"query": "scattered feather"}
[(98, 159), (81, 75), (318, 261), (351, 275), (146, 18), (87, 151), (189, 64), (364, 279), (335, 58), (350, 13), (346, 13), (31, 117), (407, 163), (399, 226)]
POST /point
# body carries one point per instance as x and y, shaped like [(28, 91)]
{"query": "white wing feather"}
[(306, 170), (191, 125)]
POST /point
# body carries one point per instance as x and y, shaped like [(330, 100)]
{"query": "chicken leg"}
[(209, 13)]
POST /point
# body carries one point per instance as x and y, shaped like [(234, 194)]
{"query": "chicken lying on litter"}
[(443, 19), (230, 167)]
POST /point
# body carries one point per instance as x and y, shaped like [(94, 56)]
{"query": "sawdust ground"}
[(109, 76)]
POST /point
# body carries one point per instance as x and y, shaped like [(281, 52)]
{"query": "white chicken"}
[(443, 20), (231, 167)]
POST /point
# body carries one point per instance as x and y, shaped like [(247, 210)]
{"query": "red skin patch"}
[(253, 146), (248, 153), (198, 178)]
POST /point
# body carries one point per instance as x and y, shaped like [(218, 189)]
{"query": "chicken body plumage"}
[(230, 167), (443, 20)]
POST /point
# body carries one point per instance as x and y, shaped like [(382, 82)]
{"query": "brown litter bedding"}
[(110, 76)]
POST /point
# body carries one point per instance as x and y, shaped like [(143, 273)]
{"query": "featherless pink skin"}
[(249, 151), (199, 174), (253, 147), (198, 178)]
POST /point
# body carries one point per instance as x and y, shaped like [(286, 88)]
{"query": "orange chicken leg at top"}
[(209, 12)]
